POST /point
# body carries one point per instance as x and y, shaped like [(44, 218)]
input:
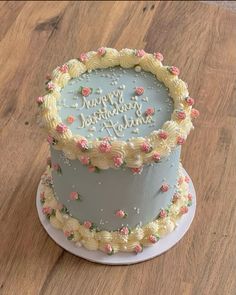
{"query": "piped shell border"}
[(112, 242), (130, 152)]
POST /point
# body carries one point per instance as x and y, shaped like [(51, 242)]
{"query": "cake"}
[(115, 122)]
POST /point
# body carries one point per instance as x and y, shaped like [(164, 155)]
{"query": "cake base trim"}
[(113, 242)]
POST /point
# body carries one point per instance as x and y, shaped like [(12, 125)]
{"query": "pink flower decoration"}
[(181, 115), (86, 91), (158, 56), (145, 147), (39, 100), (124, 230), (156, 157), (101, 51), (50, 139), (104, 147), (83, 57), (108, 249), (153, 239), (118, 161), (140, 53), (51, 86), (85, 160), (139, 90), (61, 128), (190, 197), (47, 210), (175, 198), (91, 168), (42, 196), (87, 224), (137, 170), (174, 70), (162, 213), (163, 134), (56, 166), (68, 233), (82, 144), (180, 140), (138, 249), (120, 214), (64, 68), (70, 119), (74, 196), (184, 210), (187, 179), (189, 100), (194, 113), (150, 111), (164, 187)]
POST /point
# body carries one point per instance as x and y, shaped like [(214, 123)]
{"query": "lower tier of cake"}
[(124, 239), (114, 198)]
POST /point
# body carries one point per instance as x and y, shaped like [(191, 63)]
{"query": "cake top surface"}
[(113, 108), (114, 102)]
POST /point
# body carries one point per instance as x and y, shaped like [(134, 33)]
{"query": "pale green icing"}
[(122, 83)]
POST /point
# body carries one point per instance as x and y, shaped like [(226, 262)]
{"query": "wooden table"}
[(197, 37)]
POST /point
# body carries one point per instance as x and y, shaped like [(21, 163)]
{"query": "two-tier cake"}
[(115, 122)]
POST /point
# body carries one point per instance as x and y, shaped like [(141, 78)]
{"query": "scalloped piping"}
[(129, 151), (114, 241)]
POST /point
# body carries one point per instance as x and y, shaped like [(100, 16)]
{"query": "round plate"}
[(121, 258)]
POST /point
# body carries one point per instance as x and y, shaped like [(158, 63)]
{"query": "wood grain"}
[(201, 40)]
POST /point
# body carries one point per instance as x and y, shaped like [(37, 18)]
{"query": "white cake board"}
[(121, 258)]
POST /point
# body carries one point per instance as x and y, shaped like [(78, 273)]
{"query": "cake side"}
[(114, 198)]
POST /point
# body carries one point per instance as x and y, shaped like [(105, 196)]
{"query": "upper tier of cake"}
[(148, 124), (114, 102)]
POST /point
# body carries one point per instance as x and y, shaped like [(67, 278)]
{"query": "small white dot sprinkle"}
[(145, 99), (98, 90), (138, 69)]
